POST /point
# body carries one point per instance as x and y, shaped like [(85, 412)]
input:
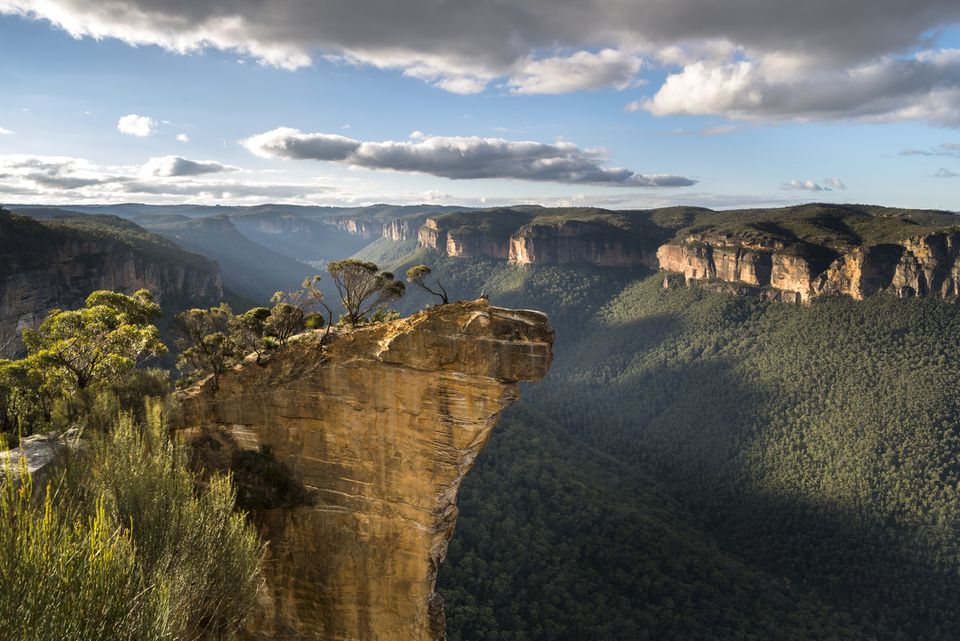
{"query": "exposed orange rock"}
[(379, 427), (927, 266)]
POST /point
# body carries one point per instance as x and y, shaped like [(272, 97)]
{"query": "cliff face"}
[(378, 428), (401, 229), (561, 243), (574, 241), (927, 265), (366, 229), (61, 272)]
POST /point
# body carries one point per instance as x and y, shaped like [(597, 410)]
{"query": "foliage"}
[(363, 288), (290, 311), (556, 542), (125, 549), (207, 344), (103, 341), (418, 275)]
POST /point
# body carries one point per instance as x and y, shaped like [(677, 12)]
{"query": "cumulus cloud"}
[(183, 138), (5, 132), (577, 72), (925, 86), (828, 184), (176, 166), (134, 125), (458, 158), (945, 173), (761, 60)]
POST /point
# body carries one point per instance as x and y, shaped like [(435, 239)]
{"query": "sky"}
[(612, 103)]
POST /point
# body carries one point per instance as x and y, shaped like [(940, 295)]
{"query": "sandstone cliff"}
[(46, 266), (518, 236), (926, 265), (575, 241), (379, 427)]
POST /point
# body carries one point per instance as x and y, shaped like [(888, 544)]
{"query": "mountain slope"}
[(58, 262), (248, 268), (816, 443)]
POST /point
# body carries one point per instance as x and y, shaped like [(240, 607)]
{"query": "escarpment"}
[(575, 241), (515, 238), (927, 265), (47, 266), (374, 432)]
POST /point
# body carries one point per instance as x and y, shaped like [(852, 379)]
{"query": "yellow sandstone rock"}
[(379, 427)]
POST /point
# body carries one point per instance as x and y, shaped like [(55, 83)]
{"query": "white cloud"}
[(828, 184), (807, 185), (577, 72), (924, 86), (945, 173), (176, 166), (5, 132), (183, 138), (458, 158), (760, 60), (134, 125)]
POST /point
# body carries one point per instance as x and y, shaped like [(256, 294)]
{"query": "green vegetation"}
[(26, 243), (363, 288), (816, 445), (418, 275), (123, 542), (75, 355), (121, 547)]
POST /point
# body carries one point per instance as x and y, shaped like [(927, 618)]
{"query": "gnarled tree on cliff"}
[(363, 287)]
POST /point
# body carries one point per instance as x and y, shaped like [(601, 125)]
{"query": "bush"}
[(127, 548)]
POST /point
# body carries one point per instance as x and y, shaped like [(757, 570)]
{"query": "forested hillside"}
[(814, 443)]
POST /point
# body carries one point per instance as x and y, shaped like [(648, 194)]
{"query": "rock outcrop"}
[(362, 227), (926, 266), (378, 428), (575, 241), (401, 229), (542, 243), (60, 269)]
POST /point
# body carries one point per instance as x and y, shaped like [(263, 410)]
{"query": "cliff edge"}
[(365, 441)]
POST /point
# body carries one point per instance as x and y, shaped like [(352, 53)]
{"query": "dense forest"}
[(816, 444)]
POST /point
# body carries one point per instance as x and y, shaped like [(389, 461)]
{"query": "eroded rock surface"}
[(926, 266), (378, 428)]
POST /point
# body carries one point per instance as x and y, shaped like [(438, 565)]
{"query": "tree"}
[(207, 344), (101, 342), (290, 312), (247, 330), (363, 287), (417, 275)]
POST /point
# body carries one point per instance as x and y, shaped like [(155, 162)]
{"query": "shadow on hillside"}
[(690, 428)]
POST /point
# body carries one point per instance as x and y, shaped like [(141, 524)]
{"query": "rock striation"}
[(575, 241), (926, 266), (378, 428)]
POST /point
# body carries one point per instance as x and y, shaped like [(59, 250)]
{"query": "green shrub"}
[(126, 548)]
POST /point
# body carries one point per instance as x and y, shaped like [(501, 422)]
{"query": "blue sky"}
[(704, 128)]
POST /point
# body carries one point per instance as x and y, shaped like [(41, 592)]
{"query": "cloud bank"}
[(757, 60), (458, 158)]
